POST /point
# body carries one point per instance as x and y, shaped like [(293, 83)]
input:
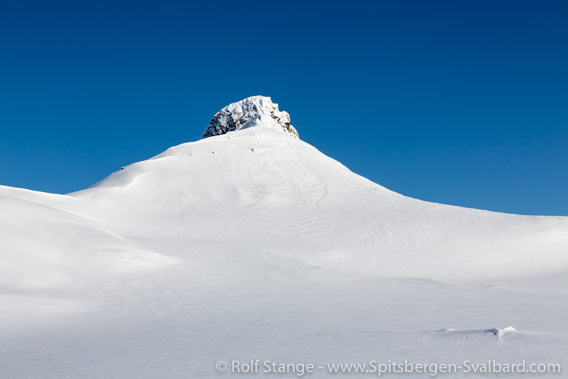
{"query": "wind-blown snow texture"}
[(252, 244)]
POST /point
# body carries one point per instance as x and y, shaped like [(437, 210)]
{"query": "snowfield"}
[(253, 245)]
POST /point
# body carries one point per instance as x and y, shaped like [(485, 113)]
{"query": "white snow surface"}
[(255, 245)]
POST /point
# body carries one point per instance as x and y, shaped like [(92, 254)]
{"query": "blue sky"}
[(458, 102)]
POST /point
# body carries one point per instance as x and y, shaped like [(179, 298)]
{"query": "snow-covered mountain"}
[(246, 233)]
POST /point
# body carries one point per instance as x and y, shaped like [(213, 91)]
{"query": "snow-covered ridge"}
[(252, 111)]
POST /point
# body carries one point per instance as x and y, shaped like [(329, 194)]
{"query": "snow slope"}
[(253, 244)]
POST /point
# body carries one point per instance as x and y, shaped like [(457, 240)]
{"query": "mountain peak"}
[(250, 112)]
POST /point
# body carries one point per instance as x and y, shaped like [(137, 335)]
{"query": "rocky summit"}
[(252, 111)]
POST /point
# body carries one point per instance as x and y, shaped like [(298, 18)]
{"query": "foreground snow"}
[(254, 245)]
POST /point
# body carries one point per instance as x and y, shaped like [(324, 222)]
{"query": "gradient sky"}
[(458, 102)]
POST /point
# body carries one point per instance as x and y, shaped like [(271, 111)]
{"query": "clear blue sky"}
[(458, 102)]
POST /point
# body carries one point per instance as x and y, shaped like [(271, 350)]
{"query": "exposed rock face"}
[(252, 111)]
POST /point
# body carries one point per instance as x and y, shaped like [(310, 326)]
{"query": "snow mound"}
[(496, 333), (252, 111), (44, 247)]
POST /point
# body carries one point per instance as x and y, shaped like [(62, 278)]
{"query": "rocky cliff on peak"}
[(252, 111)]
